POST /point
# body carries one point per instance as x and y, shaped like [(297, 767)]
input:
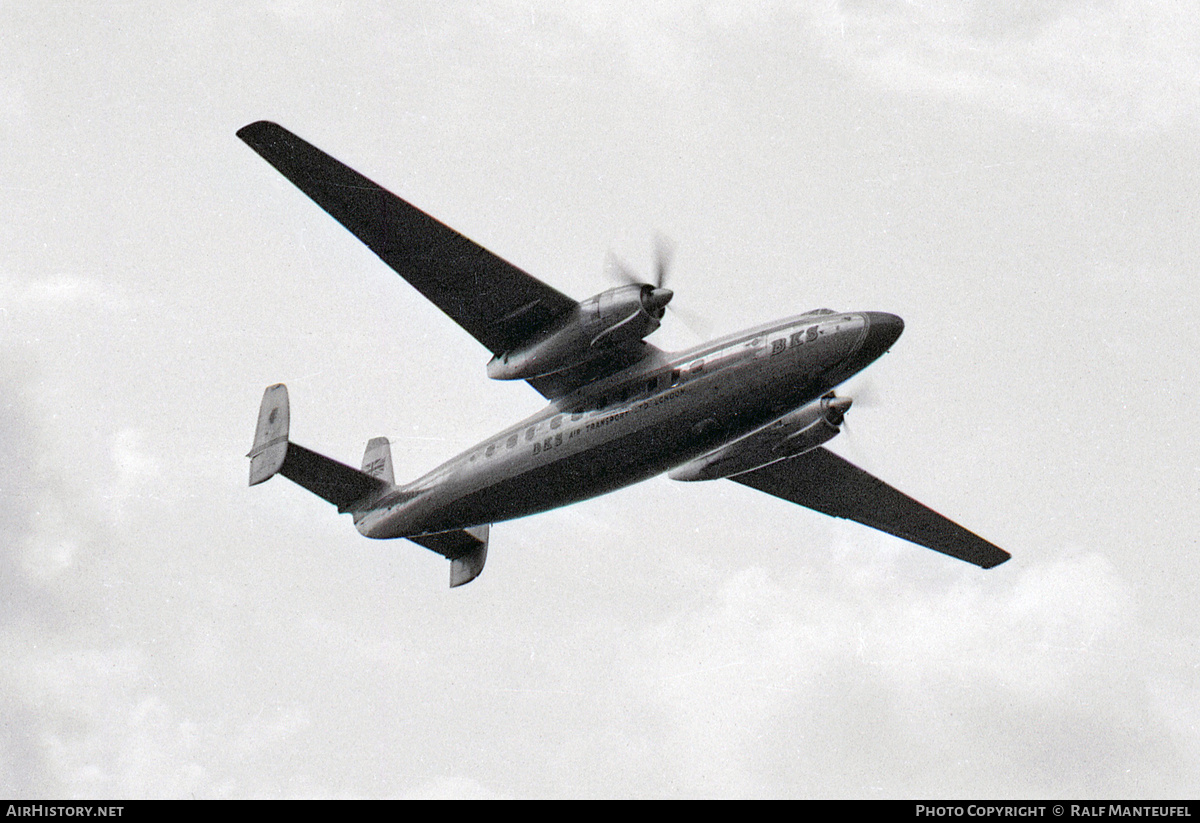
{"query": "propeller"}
[(664, 253), (618, 270), (655, 294), (864, 390), (864, 396)]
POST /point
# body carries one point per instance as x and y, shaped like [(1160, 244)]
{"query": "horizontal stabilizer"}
[(336, 482), (465, 548), (822, 481)]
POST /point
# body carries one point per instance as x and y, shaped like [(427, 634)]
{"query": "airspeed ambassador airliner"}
[(755, 407)]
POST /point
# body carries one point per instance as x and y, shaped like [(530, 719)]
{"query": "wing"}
[(821, 480), (496, 302), (560, 384)]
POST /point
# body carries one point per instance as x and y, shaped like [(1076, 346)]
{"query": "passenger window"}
[(530, 432), (491, 449), (651, 384), (674, 377), (556, 422), (512, 441)]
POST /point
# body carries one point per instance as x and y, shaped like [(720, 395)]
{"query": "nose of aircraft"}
[(883, 329)]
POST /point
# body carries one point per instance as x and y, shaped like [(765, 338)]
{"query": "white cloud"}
[(169, 632), (1130, 65), (136, 471), (767, 658), (1127, 64)]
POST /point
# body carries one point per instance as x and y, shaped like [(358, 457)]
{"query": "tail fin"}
[(377, 461), (270, 436), (347, 488), (466, 549)]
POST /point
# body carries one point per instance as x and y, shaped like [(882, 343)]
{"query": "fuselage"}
[(667, 409)]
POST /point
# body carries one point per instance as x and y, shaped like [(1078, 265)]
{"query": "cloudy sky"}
[(1017, 180)]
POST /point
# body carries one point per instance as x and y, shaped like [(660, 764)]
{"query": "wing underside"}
[(498, 303), (822, 481), (559, 384)]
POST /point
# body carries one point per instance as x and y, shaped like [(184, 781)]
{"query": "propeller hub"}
[(657, 299), (836, 408)]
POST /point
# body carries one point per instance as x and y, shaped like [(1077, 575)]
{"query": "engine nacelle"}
[(611, 319), (795, 433)]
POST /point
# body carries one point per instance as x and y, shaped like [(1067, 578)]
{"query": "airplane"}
[(755, 407)]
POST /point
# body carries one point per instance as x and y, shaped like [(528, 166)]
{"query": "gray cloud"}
[(168, 632)]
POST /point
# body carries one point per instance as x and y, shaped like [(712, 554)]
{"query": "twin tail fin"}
[(351, 490), (270, 436), (377, 460), (273, 453)]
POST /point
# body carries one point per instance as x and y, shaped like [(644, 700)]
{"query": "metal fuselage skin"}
[(658, 414)]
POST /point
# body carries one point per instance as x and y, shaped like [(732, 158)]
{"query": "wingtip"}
[(992, 557), (251, 130), (1004, 559)]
